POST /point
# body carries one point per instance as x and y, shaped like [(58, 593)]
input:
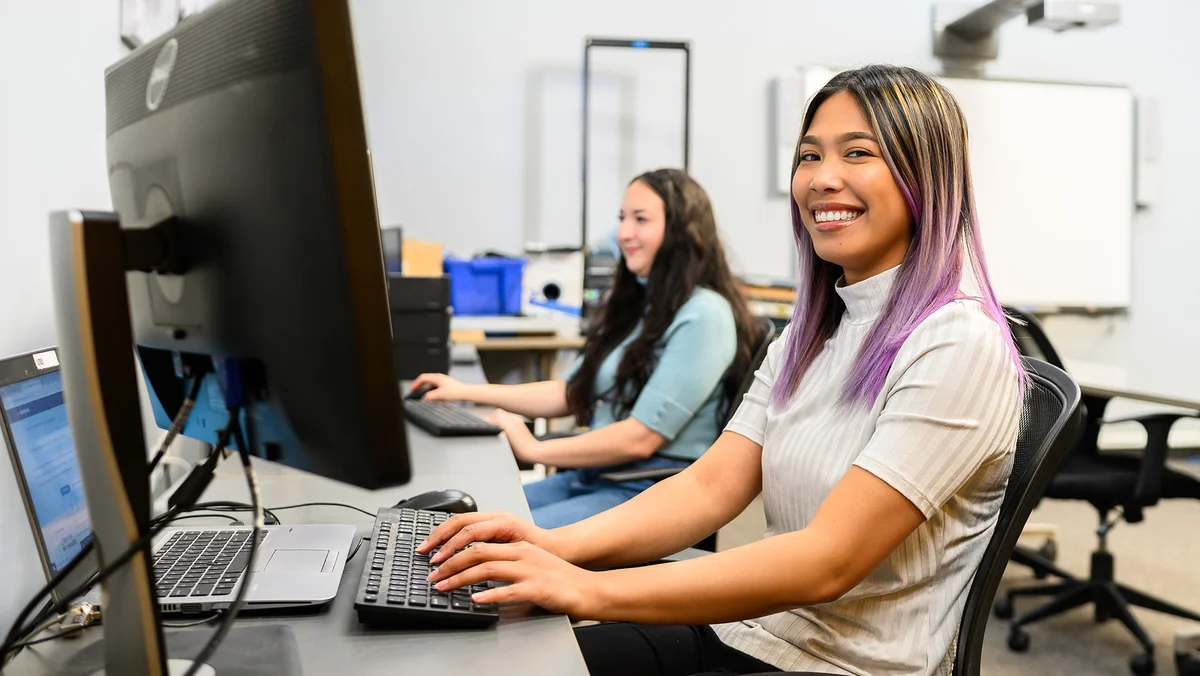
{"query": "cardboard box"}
[(422, 258)]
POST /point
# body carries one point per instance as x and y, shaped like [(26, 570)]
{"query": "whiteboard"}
[(1053, 171)]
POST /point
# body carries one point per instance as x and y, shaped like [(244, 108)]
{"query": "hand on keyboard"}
[(459, 531), (440, 387), (520, 438), (537, 577)]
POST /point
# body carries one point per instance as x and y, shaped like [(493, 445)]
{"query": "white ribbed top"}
[(942, 433)]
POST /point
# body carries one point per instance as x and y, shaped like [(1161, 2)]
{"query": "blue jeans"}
[(575, 494)]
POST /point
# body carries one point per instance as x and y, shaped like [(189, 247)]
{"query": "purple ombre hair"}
[(923, 138)]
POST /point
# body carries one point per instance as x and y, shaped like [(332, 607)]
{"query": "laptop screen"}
[(37, 419)]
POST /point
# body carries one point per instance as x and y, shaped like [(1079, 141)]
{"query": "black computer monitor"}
[(246, 244), (245, 123)]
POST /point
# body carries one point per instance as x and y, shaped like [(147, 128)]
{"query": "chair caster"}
[(1003, 608), (1018, 641), (1048, 551), (1187, 664), (1142, 665)]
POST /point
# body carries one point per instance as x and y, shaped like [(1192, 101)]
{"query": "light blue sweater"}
[(681, 399)]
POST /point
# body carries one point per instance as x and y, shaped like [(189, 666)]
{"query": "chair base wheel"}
[(1187, 664), (1003, 608), (1142, 665), (1048, 551), (1018, 641)]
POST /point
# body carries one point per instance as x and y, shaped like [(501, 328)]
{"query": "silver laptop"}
[(196, 569)]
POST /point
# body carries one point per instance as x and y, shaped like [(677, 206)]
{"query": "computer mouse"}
[(446, 500), (418, 393)]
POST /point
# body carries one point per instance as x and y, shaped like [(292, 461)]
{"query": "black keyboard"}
[(202, 562), (444, 419), (394, 589)]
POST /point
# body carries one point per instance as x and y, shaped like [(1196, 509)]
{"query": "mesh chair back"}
[(1031, 338), (1049, 428), (767, 327)]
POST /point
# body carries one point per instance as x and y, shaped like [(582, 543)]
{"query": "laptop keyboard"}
[(202, 562)]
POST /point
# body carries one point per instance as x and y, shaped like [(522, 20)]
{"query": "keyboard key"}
[(396, 600), (439, 602), (370, 598), (459, 604), (417, 601), (222, 591), (202, 590), (181, 591)]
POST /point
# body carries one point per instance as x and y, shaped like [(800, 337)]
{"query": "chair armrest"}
[(1154, 459), (1140, 418), (655, 474)]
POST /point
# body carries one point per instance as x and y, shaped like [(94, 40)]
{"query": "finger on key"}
[(481, 531), (460, 561), (448, 529), (500, 571)]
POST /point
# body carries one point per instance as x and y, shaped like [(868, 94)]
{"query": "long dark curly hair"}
[(691, 255)]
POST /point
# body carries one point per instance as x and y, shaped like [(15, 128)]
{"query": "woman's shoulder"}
[(963, 320), (707, 311), (705, 302)]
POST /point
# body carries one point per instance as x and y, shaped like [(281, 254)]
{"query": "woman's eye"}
[(809, 157), (858, 153), (641, 219)]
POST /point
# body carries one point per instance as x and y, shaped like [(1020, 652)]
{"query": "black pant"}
[(624, 649)]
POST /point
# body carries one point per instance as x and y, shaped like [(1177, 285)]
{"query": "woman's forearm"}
[(671, 515), (547, 399), (765, 577), (615, 444)]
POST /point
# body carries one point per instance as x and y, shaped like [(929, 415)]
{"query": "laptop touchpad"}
[(297, 561)]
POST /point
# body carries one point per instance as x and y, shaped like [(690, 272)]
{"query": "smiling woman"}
[(879, 432), (661, 367)]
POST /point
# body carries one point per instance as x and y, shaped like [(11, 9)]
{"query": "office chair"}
[(1031, 341), (1049, 429), (1125, 483), (1051, 422)]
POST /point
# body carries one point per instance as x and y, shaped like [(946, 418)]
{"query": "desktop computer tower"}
[(420, 324)]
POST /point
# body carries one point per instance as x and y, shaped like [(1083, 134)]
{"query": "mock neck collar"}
[(866, 299)]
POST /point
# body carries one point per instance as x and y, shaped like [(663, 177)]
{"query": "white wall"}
[(445, 84), (51, 157)]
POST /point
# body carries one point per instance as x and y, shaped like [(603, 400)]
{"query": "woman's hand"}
[(537, 577), (524, 444), (444, 388), (465, 529)]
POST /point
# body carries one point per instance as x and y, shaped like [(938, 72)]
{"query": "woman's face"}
[(643, 225), (850, 204)]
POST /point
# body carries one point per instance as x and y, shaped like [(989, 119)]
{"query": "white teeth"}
[(826, 216)]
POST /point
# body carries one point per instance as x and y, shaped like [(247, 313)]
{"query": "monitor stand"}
[(90, 255)]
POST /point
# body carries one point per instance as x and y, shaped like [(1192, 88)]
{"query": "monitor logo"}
[(156, 89)]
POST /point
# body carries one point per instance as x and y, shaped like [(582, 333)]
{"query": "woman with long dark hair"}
[(880, 434), (659, 371)]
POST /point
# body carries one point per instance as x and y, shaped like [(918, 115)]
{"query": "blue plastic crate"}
[(485, 286)]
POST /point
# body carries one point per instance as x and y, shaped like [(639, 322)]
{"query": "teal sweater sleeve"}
[(698, 348)]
